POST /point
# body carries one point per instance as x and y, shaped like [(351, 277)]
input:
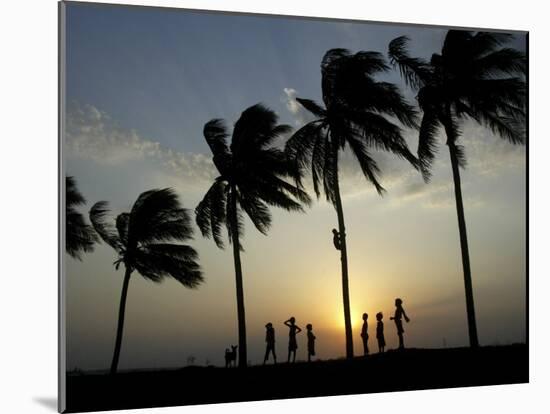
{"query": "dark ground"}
[(412, 369)]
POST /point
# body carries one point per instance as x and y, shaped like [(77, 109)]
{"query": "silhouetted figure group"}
[(292, 342), (231, 355), (397, 318)]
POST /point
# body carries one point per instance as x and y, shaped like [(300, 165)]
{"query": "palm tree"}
[(252, 178), (361, 113), (143, 240), (79, 237), (474, 77)]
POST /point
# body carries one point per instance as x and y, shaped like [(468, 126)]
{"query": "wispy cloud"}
[(92, 134), (300, 114)]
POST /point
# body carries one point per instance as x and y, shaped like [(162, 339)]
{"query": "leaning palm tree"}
[(143, 240), (252, 178), (475, 78), (79, 237), (360, 113)]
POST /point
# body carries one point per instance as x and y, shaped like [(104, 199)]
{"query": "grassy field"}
[(411, 369)]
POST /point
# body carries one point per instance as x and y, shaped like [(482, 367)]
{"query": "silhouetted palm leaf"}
[(255, 172), (106, 231), (472, 77), (415, 71), (79, 237)]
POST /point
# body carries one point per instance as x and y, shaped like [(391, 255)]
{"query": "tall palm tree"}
[(473, 77), (252, 178), (143, 240), (360, 113), (79, 237)]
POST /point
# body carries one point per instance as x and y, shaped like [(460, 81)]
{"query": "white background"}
[(28, 203)]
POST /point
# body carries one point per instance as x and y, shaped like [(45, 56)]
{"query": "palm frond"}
[(257, 211), (215, 133), (386, 98), (73, 197), (272, 194), (330, 171), (484, 42), (457, 46), (380, 133), (157, 261), (369, 62), (300, 146), (332, 66), (158, 216), (122, 222), (453, 133), (210, 213), (504, 126), (494, 93), (257, 178), (427, 143), (415, 72), (317, 162), (79, 236), (312, 107), (254, 129), (474, 76), (502, 62), (106, 231), (350, 81), (366, 162), (332, 56)]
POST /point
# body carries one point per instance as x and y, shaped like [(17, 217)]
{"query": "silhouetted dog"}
[(231, 356)]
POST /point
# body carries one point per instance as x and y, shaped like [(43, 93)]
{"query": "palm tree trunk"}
[(120, 326), (344, 260), (470, 310), (238, 279)]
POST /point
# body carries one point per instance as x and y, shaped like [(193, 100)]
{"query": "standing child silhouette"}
[(292, 344), (365, 334), (399, 313), (380, 332), (270, 342), (310, 342)]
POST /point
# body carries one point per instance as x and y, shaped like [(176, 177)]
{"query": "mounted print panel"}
[(260, 207)]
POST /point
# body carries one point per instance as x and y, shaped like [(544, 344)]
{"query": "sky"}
[(140, 85)]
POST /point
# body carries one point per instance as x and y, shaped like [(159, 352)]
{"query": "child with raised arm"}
[(400, 313), (292, 344), (380, 332), (310, 342), (365, 334), (270, 342)]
